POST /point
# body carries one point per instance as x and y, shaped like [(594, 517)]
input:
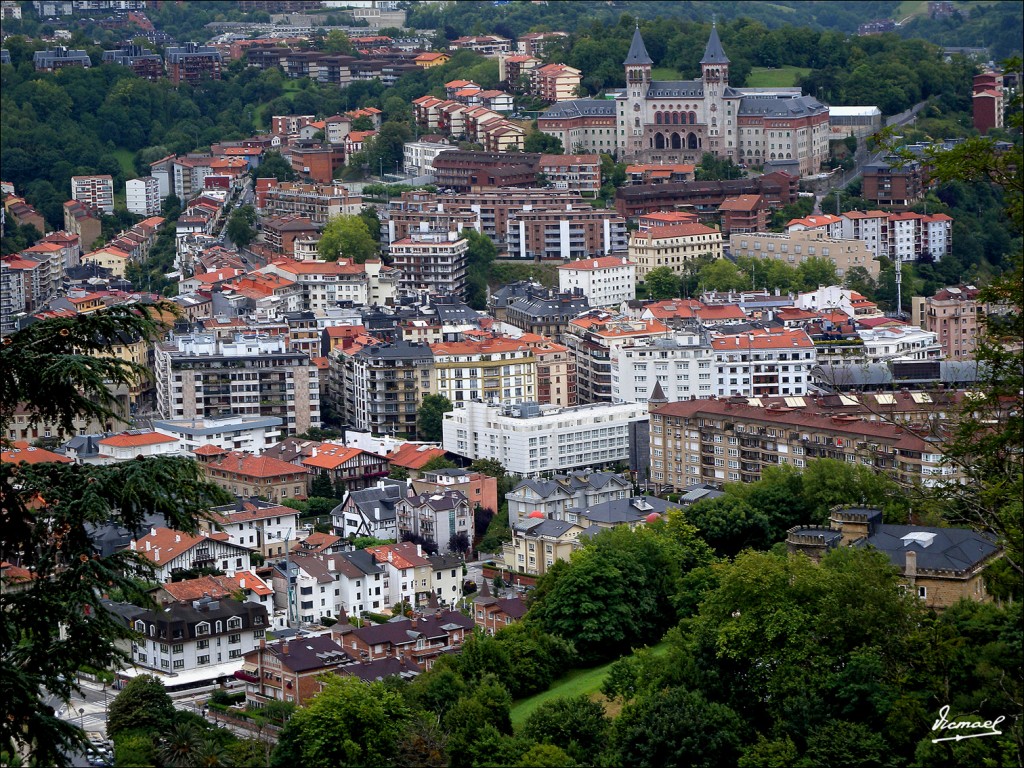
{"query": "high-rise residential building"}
[(431, 261), (494, 370), (952, 314), (763, 362), (94, 191), (606, 281), (200, 376), (383, 386), (681, 364), (142, 196)]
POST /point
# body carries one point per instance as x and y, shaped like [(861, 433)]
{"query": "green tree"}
[(275, 166), (676, 727), (430, 417), (362, 123), (321, 486), (57, 371), (371, 218), (240, 228), (576, 724), (662, 283), (349, 723), (143, 704), (815, 272), (347, 236), (179, 747), (546, 756), (337, 42), (545, 143), (491, 467), (135, 748), (398, 473)]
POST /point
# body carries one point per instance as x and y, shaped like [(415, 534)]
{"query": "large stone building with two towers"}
[(677, 121)]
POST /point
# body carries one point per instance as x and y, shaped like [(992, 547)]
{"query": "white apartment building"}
[(833, 297), (418, 156), (893, 235), (200, 376), (142, 196), (900, 344), (435, 262), (137, 443), (528, 439), (192, 641), (252, 434), (94, 191), (607, 281), (324, 283), (682, 364), (763, 363), (324, 586)]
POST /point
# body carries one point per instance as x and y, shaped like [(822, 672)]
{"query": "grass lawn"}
[(579, 681), (909, 8), (781, 77), (127, 160)]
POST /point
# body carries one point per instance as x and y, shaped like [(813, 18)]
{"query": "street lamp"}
[(81, 717)]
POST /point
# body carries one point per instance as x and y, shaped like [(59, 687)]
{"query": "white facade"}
[(267, 528), (419, 156), (771, 363), (94, 191), (137, 444), (683, 365), (169, 550), (142, 196), (901, 344), (252, 434), (529, 439), (607, 281)]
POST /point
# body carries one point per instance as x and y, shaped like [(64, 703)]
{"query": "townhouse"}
[(169, 552), (261, 526), (346, 467), (369, 512), (419, 640), (493, 613), (537, 544), (439, 516), (554, 497), (289, 670), (246, 475)]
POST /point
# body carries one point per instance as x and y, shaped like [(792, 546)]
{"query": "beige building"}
[(951, 314), (556, 371), (110, 258), (537, 543), (798, 246), (672, 246), (493, 370), (941, 566), (730, 440)]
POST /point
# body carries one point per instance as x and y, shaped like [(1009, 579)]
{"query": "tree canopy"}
[(347, 236)]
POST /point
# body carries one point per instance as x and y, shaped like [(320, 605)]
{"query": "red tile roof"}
[(331, 456), (163, 544), (239, 463), (134, 439), (413, 456), (20, 451)]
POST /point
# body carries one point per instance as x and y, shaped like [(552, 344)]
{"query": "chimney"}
[(263, 642), (391, 556), (149, 545), (284, 648), (177, 538), (156, 554), (419, 550), (241, 583), (314, 451), (911, 569)]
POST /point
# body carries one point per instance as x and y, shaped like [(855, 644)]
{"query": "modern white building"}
[(900, 344), (607, 281), (419, 156), (142, 196), (252, 434), (137, 443), (683, 364), (528, 439)]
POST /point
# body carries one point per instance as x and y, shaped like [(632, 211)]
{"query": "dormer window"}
[(234, 623), (140, 626), (203, 628)]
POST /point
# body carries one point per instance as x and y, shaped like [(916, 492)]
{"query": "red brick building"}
[(743, 213)]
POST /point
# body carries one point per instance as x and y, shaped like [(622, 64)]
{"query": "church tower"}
[(638, 79), (718, 115), (714, 67)]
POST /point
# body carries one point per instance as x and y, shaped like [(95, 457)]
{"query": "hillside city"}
[(510, 383)]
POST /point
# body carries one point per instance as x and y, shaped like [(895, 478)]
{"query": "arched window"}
[(636, 122), (693, 118), (677, 141), (659, 141), (691, 141), (657, 118)]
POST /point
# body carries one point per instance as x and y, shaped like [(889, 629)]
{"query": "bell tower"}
[(638, 80), (714, 66)]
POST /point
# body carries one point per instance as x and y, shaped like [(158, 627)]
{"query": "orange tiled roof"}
[(601, 262), (216, 586), (675, 230), (20, 451), (163, 544), (761, 339), (403, 555), (238, 463), (131, 440), (250, 512), (331, 456), (414, 456)]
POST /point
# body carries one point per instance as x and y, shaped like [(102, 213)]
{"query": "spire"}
[(714, 53), (658, 395), (637, 51)]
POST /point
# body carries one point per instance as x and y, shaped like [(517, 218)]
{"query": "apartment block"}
[(94, 191), (143, 196), (431, 261), (952, 314), (60, 57), (556, 371), (494, 370), (316, 202), (556, 82), (192, 63), (798, 246), (892, 182), (728, 440), (203, 377), (566, 234), (142, 61), (384, 385), (673, 246), (528, 439), (763, 362), (438, 515), (577, 173), (593, 340), (987, 101), (607, 281), (681, 365)]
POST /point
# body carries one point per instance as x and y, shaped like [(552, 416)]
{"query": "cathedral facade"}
[(677, 121)]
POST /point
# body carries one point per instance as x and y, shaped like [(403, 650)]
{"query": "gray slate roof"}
[(953, 549), (637, 51), (581, 108), (623, 510), (714, 53)]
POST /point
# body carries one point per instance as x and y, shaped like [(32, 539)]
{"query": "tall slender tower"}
[(638, 79), (714, 68)]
